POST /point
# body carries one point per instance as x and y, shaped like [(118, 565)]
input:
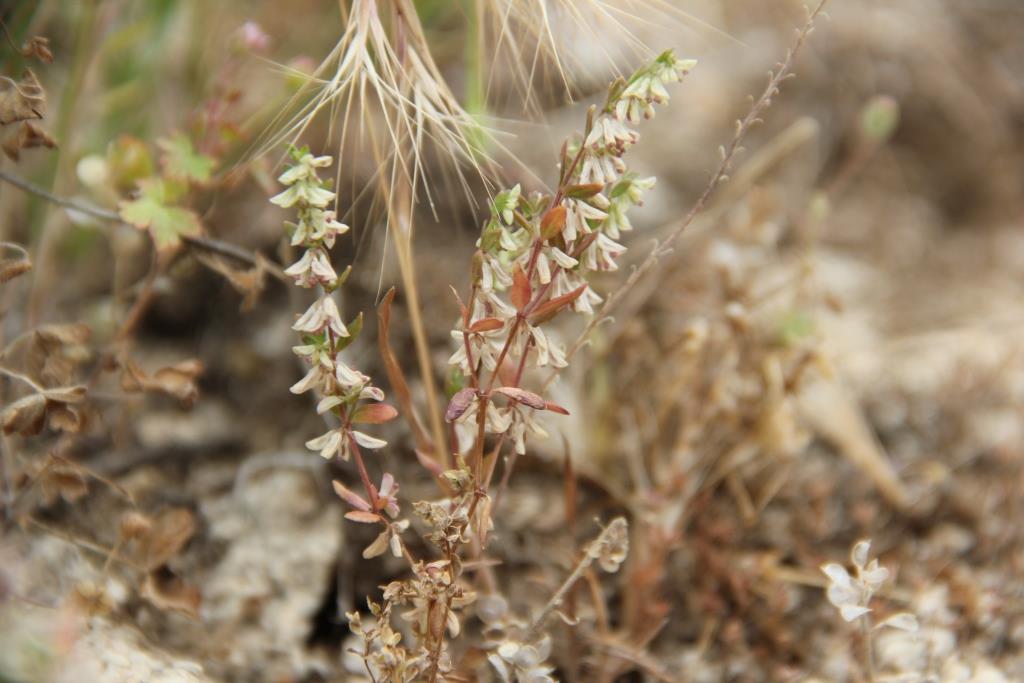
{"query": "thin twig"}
[(592, 553), (209, 244), (660, 249)]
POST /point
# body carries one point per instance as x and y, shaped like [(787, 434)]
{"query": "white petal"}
[(859, 554), (372, 393), (851, 612), (836, 573), (367, 441), (308, 382), (905, 621), (328, 403)]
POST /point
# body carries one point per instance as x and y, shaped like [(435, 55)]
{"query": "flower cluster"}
[(324, 334), (345, 392), (852, 594), (536, 253)]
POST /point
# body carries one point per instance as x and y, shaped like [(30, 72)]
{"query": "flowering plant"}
[(534, 259)]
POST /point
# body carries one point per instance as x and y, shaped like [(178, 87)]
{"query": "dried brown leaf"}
[(25, 416), (169, 592), (170, 532), (247, 282), (29, 136), (62, 479), (70, 394), (38, 47), (63, 417), (12, 268), (21, 100)]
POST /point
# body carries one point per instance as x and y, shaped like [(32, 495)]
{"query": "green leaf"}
[(181, 161), (151, 211)]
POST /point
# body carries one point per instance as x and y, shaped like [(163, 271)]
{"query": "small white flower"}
[(367, 441), (852, 594), (349, 378), (599, 167), (315, 378), (371, 393), (329, 444), (498, 419), (323, 313), (903, 621), (577, 214), (562, 259), (547, 352), (327, 404), (312, 269), (610, 132)]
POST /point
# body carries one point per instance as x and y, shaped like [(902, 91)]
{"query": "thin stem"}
[(357, 455), (208, 244), (22, 378), (869, 651), (591, 554)]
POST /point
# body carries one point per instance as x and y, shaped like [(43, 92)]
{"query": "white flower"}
[(852, 594), (371, 393), (547, 352), (317, 225), (349, 378), (515, 661), (493, 275), (367, 441), (305, 192), (315, 378), (610, 132), (599, 167), (562, 259), (577, 214), (312, 269), (323, 313), (329, 445), (498, 419)]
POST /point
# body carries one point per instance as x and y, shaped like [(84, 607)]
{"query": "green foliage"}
[(181, 161), (154, 210)]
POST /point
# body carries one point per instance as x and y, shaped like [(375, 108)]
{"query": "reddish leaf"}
[(362, 516), (350, 496), (374, 414), (520, 293), (552, 222), (550, 308), (527, 398), (486, 325), (555, 408), (585, 191), (459, 404)]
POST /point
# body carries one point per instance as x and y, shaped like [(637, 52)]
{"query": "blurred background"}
[(832, 351)]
